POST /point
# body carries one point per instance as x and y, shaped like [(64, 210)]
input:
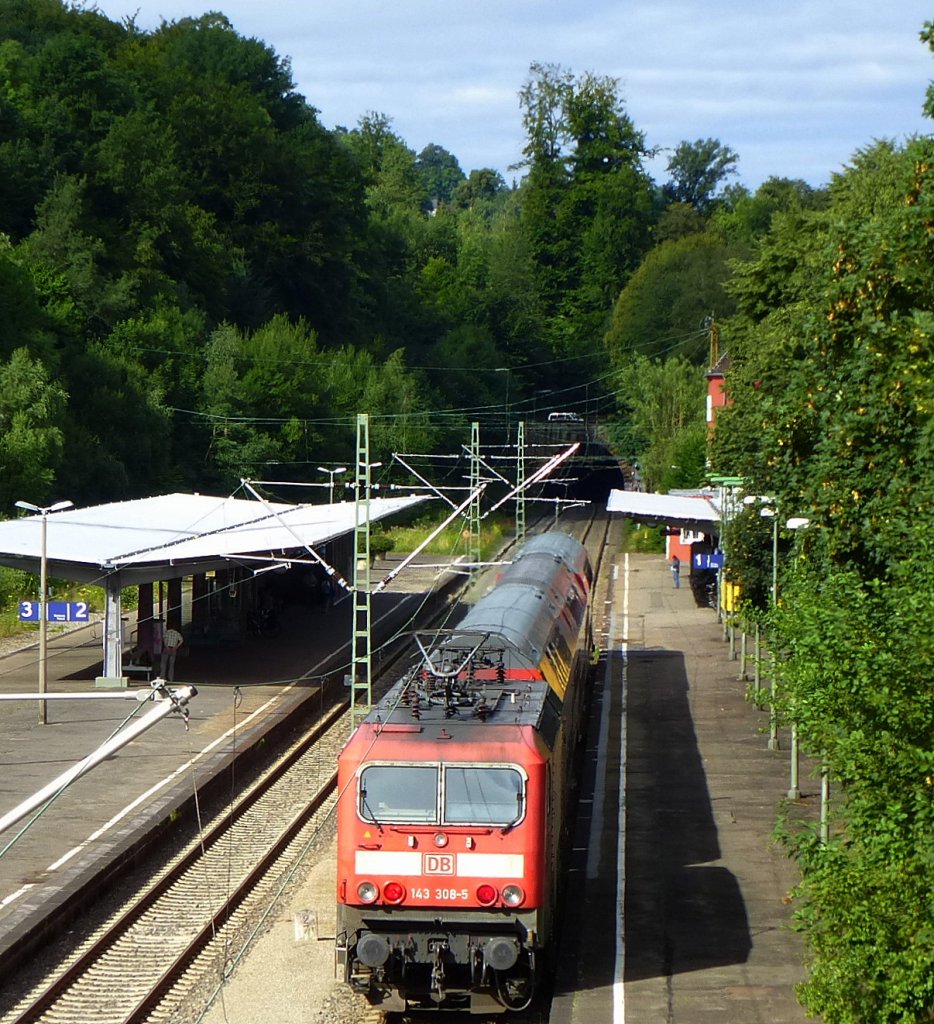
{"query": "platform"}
[(678, 908), (245, 689)]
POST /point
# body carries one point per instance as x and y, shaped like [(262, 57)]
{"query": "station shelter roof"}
[(173, 535), (699, 512)]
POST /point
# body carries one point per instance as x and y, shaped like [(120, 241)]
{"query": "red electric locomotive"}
[(454, 798)]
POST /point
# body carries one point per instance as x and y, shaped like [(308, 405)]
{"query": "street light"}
[(43, 623), (331, 474), (772, 513), (794, 791)]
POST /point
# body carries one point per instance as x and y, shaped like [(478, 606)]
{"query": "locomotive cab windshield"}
[(443, 794)]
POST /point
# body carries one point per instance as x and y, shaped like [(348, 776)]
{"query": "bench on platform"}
[(129, 669)]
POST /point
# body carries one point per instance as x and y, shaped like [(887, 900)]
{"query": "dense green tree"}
[(400, 417), (678, 220), (26, 156), (515, 313), (31, 434), (927, 36), (480, 185), (586, 200), (747, 217), (69, 262), (262, 391), (394, 182), (663, 402), (697, 170), (832, 416), (118, 437), (441, 173), (274, 398), (279, 187), (667, 302), (857, 649), (24, 323)]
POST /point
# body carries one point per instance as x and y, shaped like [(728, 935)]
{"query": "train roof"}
[(486, 670), (559, 545), (521, 609)]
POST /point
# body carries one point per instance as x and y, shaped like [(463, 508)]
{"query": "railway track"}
[(126, 970), (196, 914)]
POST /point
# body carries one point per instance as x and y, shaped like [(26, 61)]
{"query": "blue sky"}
[(795, 87)]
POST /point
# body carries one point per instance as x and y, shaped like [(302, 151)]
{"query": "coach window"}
[(399, 793), (474, 795)]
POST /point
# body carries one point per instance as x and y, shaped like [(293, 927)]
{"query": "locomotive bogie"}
[(485, 964)]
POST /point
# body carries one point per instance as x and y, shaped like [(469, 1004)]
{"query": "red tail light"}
[(393, 892), (486, 894)]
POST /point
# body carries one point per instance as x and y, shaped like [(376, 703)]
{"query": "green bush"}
[(14, 586), (380, 542), (646, 539), (452, 541)]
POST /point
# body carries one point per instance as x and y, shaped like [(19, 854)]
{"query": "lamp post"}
[(331, 474), (772, 513), (43, 512), (794, 790)]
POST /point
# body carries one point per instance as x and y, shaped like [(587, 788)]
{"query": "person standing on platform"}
[(171, 641), (676, 571)]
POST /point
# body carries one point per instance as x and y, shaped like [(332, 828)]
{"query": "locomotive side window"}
[(482, 796), (399, 792)]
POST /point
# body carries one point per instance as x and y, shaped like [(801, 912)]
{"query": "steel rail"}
[(161, 886)]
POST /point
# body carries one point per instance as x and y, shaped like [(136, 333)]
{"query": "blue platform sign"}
[(55, 611), (708, 560)]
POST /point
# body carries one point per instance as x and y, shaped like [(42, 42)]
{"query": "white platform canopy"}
[(130, 542), (175, 535), (695, 512)]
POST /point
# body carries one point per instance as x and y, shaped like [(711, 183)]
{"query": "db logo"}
[(438, 863)]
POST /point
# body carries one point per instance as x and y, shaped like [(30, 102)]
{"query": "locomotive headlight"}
[(513, 895), (393, 892), (441, 840), (367, 892)]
